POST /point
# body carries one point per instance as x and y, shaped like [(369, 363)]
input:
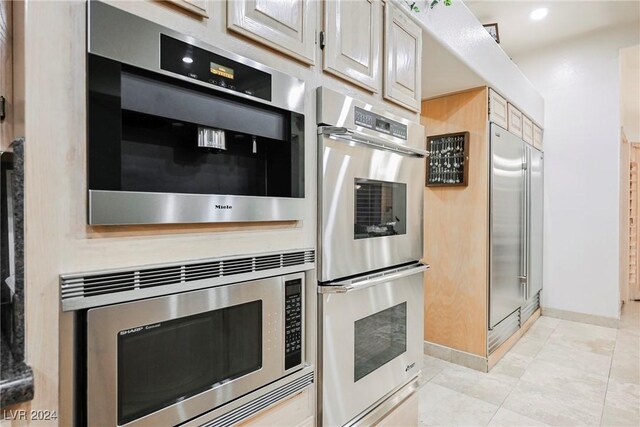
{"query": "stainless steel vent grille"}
[(85, 290), (253, 407), (527, 310), (503, 330)]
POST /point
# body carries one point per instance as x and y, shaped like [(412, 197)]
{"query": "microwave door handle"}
[(361, 138), (350, 286)]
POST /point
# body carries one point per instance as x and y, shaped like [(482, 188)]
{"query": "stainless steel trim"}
[(85, 290), (127, 38), (502, 331), (367, 281), (387, 404), (249, 405), (362, 138), (525, 221), (336, 109), (130, 207), (104, 323)]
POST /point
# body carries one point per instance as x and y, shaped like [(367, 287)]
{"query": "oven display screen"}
[(220, 70), (380, 208)]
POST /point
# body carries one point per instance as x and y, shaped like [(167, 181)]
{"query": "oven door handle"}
[(368, 281), (349, 135)]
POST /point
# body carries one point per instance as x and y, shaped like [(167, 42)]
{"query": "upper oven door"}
[(371, 340), (166, 360), (371, 201)]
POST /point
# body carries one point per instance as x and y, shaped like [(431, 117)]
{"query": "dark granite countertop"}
[(16, 378)]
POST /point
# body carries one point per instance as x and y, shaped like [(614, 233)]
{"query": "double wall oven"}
[(180, 131), (371, 180)]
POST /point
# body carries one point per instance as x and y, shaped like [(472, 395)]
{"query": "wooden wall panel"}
[(6, 72), (456, 230)]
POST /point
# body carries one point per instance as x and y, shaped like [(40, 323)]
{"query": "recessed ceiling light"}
[(539, 14), (187, 59)]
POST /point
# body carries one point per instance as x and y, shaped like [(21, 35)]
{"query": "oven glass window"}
[(379, 338), (381, 208), (164, 363)]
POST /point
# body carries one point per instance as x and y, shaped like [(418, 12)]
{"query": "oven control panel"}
[(293, 323)]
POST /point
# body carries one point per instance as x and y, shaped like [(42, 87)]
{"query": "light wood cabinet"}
[(514, 120), (404, 415), (402, 53), (353, 41), (527, 130), (6, 74), (537, 137), (297, 410), (198, 7), (497, 109), (287, 26)]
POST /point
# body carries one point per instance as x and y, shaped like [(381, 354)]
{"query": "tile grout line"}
[(606, 391)]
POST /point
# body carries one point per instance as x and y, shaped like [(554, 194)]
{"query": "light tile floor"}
[(560, 373)]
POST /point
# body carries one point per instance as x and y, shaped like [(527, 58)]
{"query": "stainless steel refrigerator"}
[(515, 232)]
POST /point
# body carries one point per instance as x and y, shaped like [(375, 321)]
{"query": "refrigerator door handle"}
[(525, 225)]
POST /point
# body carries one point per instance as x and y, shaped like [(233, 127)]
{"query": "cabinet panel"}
[(402, 53), (284, 25), (199, 7), (537, 137), (497, 109), (353, 41), (404, 415), (297, 410), (527, 129), (6, 74), (514, 120)]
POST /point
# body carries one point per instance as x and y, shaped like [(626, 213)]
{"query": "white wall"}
[(630, 96), (580, 81)]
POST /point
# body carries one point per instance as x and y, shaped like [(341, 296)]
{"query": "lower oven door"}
[(371, 340), (371, 202), (166, 360)]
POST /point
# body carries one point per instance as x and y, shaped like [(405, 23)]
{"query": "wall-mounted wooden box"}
[(448, 161)]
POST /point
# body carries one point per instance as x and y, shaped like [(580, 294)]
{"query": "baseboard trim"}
[(458, 357), (608, 322)]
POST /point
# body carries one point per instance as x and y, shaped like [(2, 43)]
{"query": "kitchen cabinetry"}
[(6, 75), (527, 130), (285, 25), (353, 41), (198, 7), (514, 120), (293, 411), (402, 53), (537, 137), (497, 109)]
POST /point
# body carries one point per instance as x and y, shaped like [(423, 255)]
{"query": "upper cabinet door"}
[(537, 137), (527, 130), (284, 25), (514, 120), (402, 53), (353, 30), (497, 109), (199, 7)]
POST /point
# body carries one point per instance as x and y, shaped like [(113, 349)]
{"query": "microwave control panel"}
[(293, 323)]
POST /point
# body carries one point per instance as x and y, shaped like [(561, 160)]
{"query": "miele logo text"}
[(130, 331), (410, 366), (224, 207)]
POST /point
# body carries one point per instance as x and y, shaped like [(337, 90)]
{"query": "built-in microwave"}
[(179, 131), (165, 360)]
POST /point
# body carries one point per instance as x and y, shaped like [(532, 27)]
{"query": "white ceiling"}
[(566, 20)]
